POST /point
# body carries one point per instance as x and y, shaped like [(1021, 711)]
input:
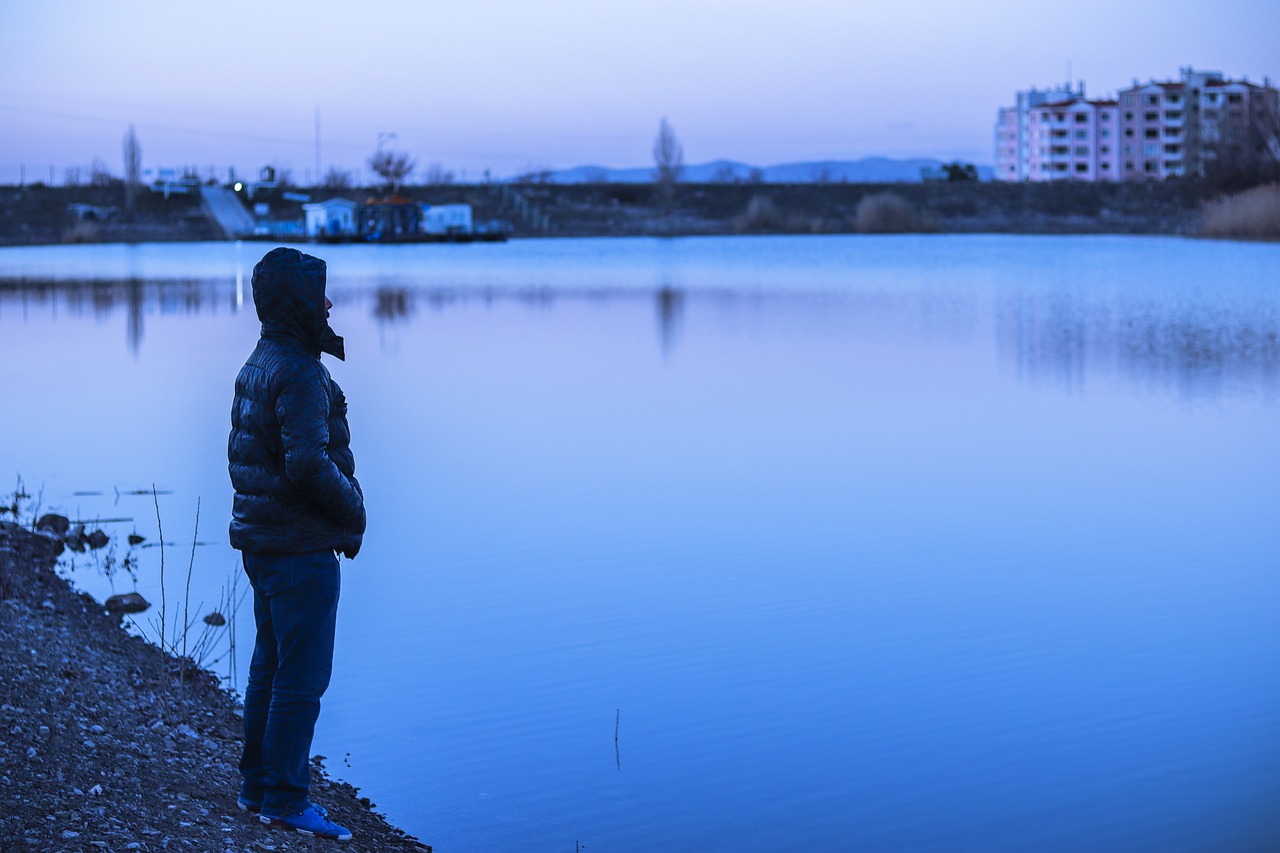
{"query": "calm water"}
[(849, 543)]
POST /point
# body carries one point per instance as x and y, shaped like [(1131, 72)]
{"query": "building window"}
[(1082, 150), (1128, 99), (1105, 149), (1128, 116), (1172, 149), (1128, 149), (1104, 166), (1172, 98), (1082, 134), (1150, 166), (1235, 98), (1104, 115), (1082, 167), (1104, 133), (1128, 166), (1151, 133), (1151, 116), (1150, 100), (1128, 131), (1173, 115), (1081, 118)]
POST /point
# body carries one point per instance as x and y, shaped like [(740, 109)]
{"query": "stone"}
[(53, 523), (129, 602)]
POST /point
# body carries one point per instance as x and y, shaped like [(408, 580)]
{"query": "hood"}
[(288, 291)]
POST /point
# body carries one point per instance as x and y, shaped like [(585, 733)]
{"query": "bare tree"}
[(393, 167), (336, 179), (438, 175), (98, 174), (132, 168), (71, 176), (668, 159)]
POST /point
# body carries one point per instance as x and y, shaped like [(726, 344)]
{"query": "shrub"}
[(1253, 214), (761, 215), (887, 213)]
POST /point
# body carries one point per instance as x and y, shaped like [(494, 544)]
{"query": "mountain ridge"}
[(868, 170)]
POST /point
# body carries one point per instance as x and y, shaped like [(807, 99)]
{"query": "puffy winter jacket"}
[(289, 450)]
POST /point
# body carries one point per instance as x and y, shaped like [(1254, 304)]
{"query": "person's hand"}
[(350, 553)]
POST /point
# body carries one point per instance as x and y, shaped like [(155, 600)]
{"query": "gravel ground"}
[(101, 748)]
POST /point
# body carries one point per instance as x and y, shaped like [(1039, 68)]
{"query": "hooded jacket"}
[(289, 451)]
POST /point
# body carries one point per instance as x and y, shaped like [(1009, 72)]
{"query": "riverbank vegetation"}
[(1250, 215), (41, 214)]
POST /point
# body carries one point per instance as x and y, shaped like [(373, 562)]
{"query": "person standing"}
[(297, 507)]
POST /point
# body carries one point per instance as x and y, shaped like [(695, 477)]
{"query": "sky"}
[(510, 86)]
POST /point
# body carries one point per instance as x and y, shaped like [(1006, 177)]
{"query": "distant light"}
[(239, 186)]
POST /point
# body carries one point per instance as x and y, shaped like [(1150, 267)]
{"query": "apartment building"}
[(1151, 131), (1013, 129), (1073, 141)]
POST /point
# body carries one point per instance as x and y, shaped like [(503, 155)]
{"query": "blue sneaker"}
[(256, 808), (312, 821)]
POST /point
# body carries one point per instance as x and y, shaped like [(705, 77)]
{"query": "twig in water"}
[(163, 599), (186, 612)]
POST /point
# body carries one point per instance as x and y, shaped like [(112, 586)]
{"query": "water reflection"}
[(1196, 350), (670, 314), (1192, 347)]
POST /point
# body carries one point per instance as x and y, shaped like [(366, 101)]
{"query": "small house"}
[(446, 220), (390, 220), (331, 219)]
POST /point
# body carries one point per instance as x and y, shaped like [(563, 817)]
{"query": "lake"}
[(753, 543)]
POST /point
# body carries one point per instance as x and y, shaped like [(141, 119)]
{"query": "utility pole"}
[(317, 183)]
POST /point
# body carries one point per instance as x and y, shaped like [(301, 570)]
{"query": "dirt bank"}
[(46, 214), (101, 750)]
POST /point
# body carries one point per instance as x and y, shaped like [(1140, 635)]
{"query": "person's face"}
[(327, 306)]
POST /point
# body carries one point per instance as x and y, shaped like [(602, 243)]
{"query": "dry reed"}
[(888, 213), (1250, 215)]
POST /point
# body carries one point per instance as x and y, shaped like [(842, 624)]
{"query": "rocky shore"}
[(101, 748)]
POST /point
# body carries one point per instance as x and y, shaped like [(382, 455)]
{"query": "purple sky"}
[(508, 86)]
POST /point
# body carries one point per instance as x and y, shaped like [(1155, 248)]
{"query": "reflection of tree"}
[(134, 289), (670, 314), (1199, 349), (391, 304), (105, 296)]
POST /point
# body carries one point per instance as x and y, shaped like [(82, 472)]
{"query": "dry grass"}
[(888, 213), (1251, 215), (761, 215)]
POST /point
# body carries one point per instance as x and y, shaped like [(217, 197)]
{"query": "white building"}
[(333, 218), (445, 219), (1074, 140), (1013, 129)]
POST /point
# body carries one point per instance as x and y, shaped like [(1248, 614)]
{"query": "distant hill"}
[(870, 170)]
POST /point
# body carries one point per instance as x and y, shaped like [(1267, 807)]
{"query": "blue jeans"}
[(295, 605)]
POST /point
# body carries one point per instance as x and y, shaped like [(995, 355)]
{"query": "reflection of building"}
[(333, 218), (1153, 130)]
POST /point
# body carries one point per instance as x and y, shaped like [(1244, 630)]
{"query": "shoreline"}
[(44, 215), (101, 747)]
